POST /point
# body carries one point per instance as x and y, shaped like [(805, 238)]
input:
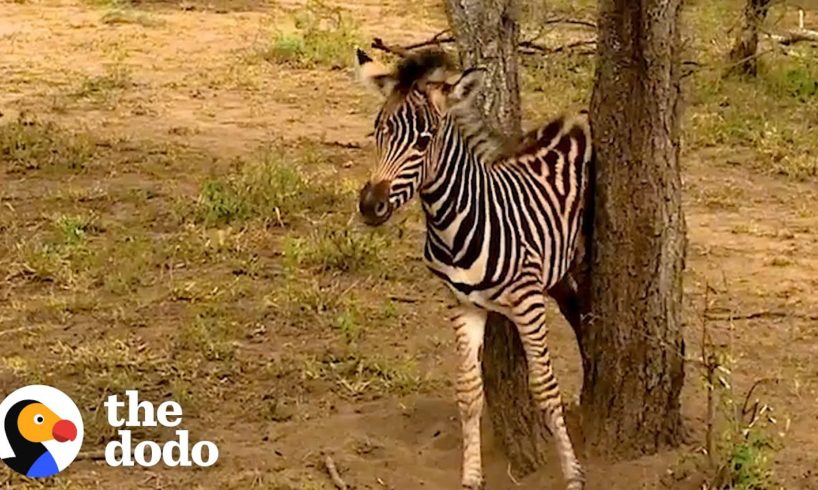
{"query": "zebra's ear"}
[(467, 86), (373, 74)]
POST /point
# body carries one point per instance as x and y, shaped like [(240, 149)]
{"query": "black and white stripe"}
[(501, 226)]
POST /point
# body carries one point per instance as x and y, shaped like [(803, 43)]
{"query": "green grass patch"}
[(345, 250), (735, 111), (212, 336), (73, 229), (324, 36), (31, 144), (273, 188)]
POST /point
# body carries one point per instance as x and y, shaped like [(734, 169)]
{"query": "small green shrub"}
[(348, 323), (323, 36), (796, 79), (748, 463), (266, 188), (72, 230)]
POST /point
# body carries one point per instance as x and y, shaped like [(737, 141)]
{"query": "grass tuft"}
[(271, 188), (119, 16), (324, 36), (209, 335), (346, 250), (30, 144)]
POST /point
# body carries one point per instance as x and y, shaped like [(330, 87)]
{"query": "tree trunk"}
[(632, 346), (487, 35), (743, 57)]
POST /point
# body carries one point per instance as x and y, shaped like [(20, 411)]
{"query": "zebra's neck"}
[(456, 172)]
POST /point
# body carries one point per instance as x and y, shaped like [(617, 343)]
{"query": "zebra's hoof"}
[(576, 483), (480, 485)]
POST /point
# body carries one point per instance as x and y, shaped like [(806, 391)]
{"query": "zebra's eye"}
[(39, 419)]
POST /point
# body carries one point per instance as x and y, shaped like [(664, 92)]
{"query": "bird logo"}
[(40, 431)]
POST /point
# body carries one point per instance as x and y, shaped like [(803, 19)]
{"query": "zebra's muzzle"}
[(373, 203)]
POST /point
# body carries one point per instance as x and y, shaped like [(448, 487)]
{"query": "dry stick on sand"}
[(710, 363), (12, 331), (333, 473), (90, 456)]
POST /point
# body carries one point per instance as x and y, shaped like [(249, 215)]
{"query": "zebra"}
[(502, 221)]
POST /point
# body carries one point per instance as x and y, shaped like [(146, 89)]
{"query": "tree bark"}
[(487, 34), (743, 57), (632, 345)]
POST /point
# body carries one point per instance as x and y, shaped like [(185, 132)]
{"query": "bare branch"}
[(437, 39), (528, 47), (378, 44), (565, 20), (744, 407), (538, 49)]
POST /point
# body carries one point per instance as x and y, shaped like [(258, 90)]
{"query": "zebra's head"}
[(416, 94)]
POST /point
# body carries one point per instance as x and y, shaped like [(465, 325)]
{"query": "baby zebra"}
[(501, 223)]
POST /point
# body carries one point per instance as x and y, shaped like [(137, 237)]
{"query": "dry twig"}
[(340, 484), (91, 456), (342, 144), (534, 48), (378, 44), (12, 331)]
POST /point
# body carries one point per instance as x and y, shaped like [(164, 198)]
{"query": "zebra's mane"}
[(487, 143), (420, 65), (492, 147)]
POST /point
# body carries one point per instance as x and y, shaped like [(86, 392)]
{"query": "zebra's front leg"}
[(529, 316), (470, 324)]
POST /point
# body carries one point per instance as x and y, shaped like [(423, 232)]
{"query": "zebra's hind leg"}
[(529, 316), (470, 324)]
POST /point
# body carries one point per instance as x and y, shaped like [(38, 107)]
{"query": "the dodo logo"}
[(40, 431)]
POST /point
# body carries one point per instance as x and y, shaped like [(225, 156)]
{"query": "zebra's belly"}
[(472, 285)]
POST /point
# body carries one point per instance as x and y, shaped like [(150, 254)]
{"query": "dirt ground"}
[(160, 106)]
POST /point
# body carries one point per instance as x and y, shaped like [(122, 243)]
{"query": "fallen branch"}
[(761, 314), (333, 473), (342, 144), (538, 49), (403, 299), (796, 36), (565, 20)]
